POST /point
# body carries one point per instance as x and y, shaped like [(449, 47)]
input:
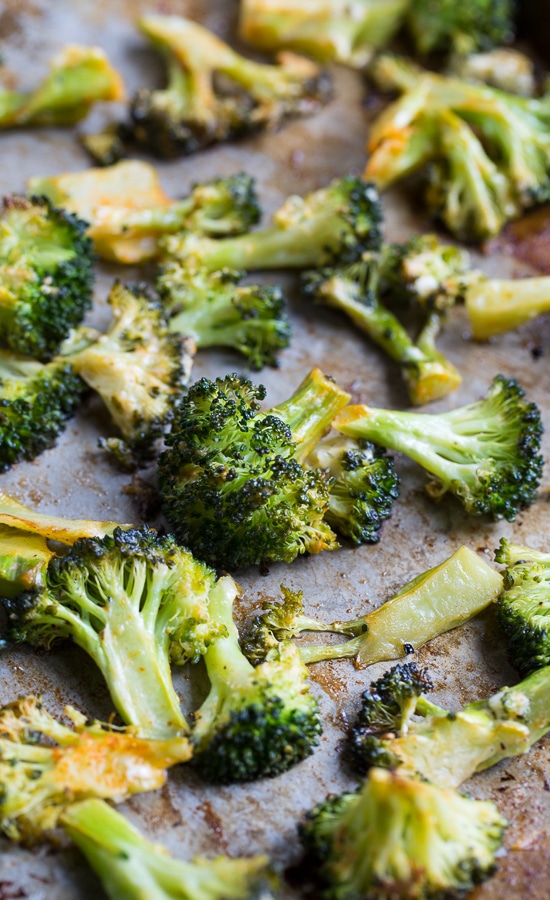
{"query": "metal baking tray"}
[(75, 479)]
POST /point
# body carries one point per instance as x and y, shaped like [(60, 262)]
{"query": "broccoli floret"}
[(484, 453), (79, 77), (214, 94), (391, 700), (334, 225), (432, 603), (46, 275), (495, 305), (399, 837), (66, 531), (45, 764), (364, 487), (255, 722), (130, 866), (444, 26), (138, 367), (449, 747), (105, 147), (134, 602), (422, 273), (504, 68), (36, 399), (216, 311), (232, 481), (128, 210), (523, 609), (330, 32)]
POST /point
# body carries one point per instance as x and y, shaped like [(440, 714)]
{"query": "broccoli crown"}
[(443, 26), (387, 704), (224, 206), (401, 837), (215, 310), (424, 273), (229, 481), (523, 609), (46, 275), (486, 453), (197, 110), (36, 399)]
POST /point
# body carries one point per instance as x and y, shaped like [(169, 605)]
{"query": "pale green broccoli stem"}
[(495, 306), (23, 561)]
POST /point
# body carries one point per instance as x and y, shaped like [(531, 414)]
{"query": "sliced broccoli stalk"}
[(336, 224), (46, 765), (128, 210), (138, 367), (400, 837), (424, 274), (328, 32), (19, 517), (485, 454), (255, 722), (216, 311), (495, 305), (46, 275), (79, 77), (134, 602), (24, 558), (364, 487), (231, 481), (449, 747), (132, 867), (504, 68), (214, 94), (443, 26), (432, 603), (523, 610)]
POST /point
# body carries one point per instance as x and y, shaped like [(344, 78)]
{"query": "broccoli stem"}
[(23, 560), (495, 305)]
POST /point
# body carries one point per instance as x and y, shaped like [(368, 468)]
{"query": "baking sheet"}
[(74, 479)]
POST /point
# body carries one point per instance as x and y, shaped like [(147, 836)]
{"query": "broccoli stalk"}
[(66, 531), (195, 110), (129, 212), (255, 722), (399, 837), (45, 765), (495, 305), (134, 602), (336, 224), (443, 26), (484, 453), (24, 559), (132, 867), (79, 77)]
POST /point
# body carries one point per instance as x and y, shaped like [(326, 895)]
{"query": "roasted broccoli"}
[(24, 559), (46, 275), (79, 77), (523, 609), (444, 26), (216, 311), (130, 866), (138, 368), (66, 531), (432, 603), (129, 212), (334, 225), (486, 453), (424, 274), (336, 31), (232, 481), (503, 67), (397, 837), (495, 305), (214, 94), (134, 602), (255, 722), (45, 764), (448, 747)]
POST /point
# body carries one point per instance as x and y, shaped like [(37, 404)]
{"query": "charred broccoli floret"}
[(128, 210), (232, 481), (216, 311), (214, 94), (425, 274), (449, 747), (523, 609), (399, 837), (334, 225), (129, 865), (135, 602), (255, 722), (391, 700), (46, 275), (79, 77), (45, 764), (485, 454), (337, 31), (494, 305), (443, 26)]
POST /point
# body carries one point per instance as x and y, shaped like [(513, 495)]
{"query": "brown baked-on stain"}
[(213, 822), (528, 239), (520, 874)]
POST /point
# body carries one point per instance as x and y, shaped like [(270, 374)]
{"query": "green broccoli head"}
[(424, 273), (443, 26), (231, 479), (223, 206), (390, 701), (197, 109), (397, 836), (216, 311), (46, 275), (523, 609)]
